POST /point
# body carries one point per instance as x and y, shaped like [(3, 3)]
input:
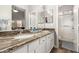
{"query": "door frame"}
[(76, 9)]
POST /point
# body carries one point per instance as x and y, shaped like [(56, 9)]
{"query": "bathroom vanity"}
[(28, 42)]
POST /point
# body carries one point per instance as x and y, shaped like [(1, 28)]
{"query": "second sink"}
[(23, 36)]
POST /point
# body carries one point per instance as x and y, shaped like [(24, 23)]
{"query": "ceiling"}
[(18, 15), (62, 8)]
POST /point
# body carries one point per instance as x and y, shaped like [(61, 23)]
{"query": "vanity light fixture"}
[(14, 10)]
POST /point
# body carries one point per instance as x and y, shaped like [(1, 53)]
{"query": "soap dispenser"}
[(34, 28)]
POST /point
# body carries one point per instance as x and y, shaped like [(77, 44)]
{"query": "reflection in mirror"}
[(45, 15), (18, 18), (3, 24)]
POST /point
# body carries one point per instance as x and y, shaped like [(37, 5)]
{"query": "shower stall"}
[(67, 27)]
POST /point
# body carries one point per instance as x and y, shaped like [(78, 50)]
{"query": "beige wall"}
[(5, 13)]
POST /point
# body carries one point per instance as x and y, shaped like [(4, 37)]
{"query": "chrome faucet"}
[(20, 31)]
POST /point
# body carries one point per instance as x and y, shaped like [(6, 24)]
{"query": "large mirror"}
[(18, 18), (46, 14)]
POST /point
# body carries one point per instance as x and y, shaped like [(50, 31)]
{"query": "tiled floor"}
[(61, 50)]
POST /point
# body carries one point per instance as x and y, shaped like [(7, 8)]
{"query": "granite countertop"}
[(8, 42)]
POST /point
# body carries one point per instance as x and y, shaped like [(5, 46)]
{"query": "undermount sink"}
[(23, 36), (35, 31)]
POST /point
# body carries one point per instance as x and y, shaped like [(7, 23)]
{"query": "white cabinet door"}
[(22, 49), (46, 44), (32, 46), (42, 46), (50, 42)]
